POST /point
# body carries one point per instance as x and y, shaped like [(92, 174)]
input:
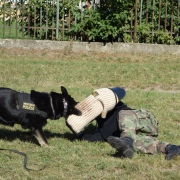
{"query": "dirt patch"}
[(57, 54)]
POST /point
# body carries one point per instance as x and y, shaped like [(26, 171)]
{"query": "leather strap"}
[(25, 159)]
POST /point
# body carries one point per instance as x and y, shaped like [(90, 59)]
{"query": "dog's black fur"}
[(33, 115)]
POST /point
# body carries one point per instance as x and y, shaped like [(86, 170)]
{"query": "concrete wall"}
[(89, 47)]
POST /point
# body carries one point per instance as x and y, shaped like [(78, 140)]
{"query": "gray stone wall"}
[(90, 47)]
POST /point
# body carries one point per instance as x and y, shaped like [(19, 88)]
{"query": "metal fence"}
[(19, 20)]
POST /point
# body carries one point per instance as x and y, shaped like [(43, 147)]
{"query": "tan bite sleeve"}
[(90, 109), (107, 98), (100, 102)]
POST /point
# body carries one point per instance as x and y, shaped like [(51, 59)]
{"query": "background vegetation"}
[(151, 81), (111, 21)]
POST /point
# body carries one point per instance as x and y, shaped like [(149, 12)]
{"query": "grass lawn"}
[(151, 81)]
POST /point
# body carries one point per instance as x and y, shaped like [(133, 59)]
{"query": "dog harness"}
[(26, 105)]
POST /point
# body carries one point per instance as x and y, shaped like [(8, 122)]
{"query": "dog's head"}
[(63, 104), (69, 104)]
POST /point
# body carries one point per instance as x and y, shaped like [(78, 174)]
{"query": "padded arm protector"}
[(100, 102)]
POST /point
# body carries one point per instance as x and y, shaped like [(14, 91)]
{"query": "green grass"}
[(151, 81)]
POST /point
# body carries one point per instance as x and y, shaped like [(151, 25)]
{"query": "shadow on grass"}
[(116, 155), (67, 135), (26, 136)]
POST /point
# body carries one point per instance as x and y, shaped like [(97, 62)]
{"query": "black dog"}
[(32, 110)]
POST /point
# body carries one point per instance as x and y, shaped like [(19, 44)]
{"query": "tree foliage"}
[(106, 22), (111, 21)]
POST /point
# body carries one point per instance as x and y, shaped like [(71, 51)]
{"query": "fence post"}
[(41, 19), (141, 12), (135, 20), (57, 20), (178, 9)]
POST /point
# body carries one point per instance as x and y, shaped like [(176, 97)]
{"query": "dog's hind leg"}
[(39, 135)]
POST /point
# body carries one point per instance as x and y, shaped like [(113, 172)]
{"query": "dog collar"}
[(65, 104), (52, 107), (65, 107)]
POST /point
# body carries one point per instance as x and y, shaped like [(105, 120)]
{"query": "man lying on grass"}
[(125, 129)]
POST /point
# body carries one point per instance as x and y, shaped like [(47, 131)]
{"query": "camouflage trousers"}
[(142, 126)]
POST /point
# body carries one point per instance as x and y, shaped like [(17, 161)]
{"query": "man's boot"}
[(172, 151), (123, 145)]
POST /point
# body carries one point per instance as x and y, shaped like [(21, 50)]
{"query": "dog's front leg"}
[(39, 135)]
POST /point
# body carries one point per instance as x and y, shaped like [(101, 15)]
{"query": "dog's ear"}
[(64, 90)]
